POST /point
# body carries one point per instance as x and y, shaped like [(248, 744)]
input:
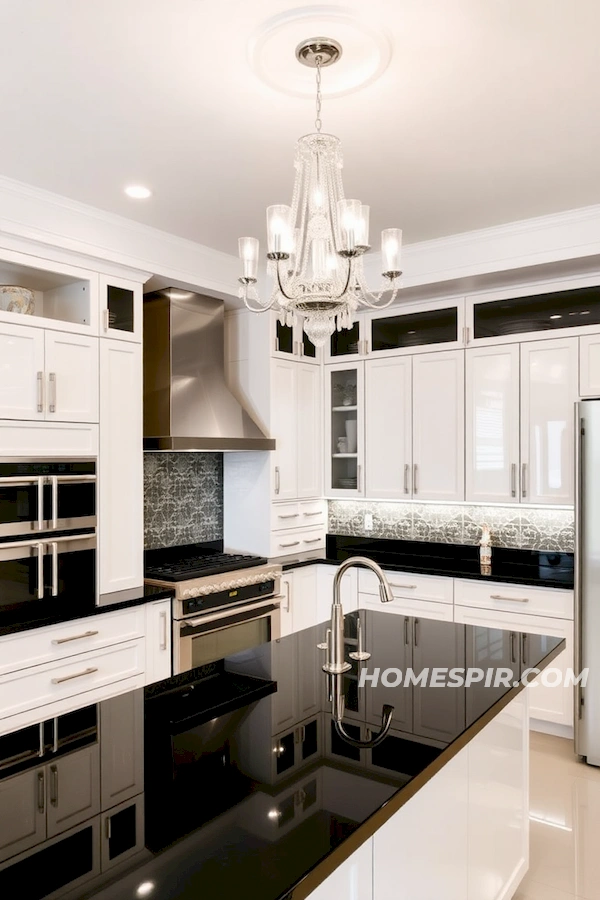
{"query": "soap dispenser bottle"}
[(485, 550)]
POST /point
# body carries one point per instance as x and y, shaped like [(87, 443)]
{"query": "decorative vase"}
[(17, 299), (351, 435)]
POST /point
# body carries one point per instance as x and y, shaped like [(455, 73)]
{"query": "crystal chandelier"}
[(316, 245)]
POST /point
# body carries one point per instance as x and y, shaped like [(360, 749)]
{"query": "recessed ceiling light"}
[(138, 192)]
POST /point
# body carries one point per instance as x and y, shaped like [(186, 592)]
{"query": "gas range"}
[(213, 591)]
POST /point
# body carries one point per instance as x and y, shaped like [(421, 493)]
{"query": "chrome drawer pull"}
[(76, 637), (312, 541), (52, 392), (318, 513), (88, 671), (404, 587), (290, 544), (289, 516), (40, 392), (510, 599)]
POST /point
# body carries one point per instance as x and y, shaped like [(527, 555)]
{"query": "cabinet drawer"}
[(404, 606), (298, 515), (523, 599), (419, 587), (299, 541), (55, 642), (32, 688)]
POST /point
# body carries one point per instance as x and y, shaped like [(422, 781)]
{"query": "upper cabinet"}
[(344, 429), (121, 309), (520, 414), (48, 375), (296, 426), (388, 428), (289, 340)]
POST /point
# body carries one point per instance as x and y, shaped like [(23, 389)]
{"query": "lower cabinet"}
[(25, 795), (121, 748), (158, 641), (122, 832)]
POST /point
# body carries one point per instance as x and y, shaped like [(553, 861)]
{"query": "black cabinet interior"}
[(436, 326), (542, 312), (51, 868)]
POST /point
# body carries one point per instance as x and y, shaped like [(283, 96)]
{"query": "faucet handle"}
[(324, 645)]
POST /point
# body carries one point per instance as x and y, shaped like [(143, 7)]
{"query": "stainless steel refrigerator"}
[(587, 578)]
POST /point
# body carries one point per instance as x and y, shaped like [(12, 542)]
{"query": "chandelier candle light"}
[(316, 245)]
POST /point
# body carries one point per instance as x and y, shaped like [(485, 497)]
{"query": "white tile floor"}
[(564, 806)]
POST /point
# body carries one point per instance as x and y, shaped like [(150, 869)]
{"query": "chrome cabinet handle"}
[(510, 599), (524, 649), (40, 489), (513, 656), (52, 392), (109, 828), (415, 482), (40, 571), (54, 483), (403, 587), (286, 586), (406, 630), (406, 471), (318, 513), (54, 786), (359, 478), (55, 734), (42, 746), (524, 480), (277, 480), (163, 639), (312, 540), (40, 391), (290, 544), (106, 318), (54, 547), (416, 632), (290, 516), (89, 671), (513, 480), (41, 789)]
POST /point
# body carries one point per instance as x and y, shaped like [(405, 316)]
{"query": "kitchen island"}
[(252, 789)]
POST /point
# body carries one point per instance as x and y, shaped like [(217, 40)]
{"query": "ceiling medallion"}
[(316, 245)]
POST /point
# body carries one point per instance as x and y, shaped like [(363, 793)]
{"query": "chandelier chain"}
[(318, 122)]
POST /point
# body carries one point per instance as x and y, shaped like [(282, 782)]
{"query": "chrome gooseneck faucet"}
[(336, 664)]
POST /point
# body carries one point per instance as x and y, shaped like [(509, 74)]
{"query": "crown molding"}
[(570, 235), (51, 220)]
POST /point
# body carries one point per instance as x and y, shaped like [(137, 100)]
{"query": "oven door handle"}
[(227, 613)]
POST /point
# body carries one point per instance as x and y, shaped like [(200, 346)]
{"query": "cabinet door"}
[(121, 309), (438, 426), (389, 640), (308, 430), (549, 376), (25, 796), (421, 852), (438, 713), (353, 880), (122, 832), (71, 377), (550, 703), (121, 513), (283, 429), (304, 602), (492, 424), (122, 747), (73, 789), (388, 428), (344, 430), (589, 366), (158, 641), (21, 372), (284, 672)]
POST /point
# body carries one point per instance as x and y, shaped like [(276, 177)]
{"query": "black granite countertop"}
[(544, 568), (271, 796), (37, 613)]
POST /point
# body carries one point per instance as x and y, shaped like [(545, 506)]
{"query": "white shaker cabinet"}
[(549, 389), (296, 426), (388, 427), (71, 362), (158, 641), (283, 426), (21, 372), (589, 365), (308, 430), (121, 511), (438, 426), (492, 424)]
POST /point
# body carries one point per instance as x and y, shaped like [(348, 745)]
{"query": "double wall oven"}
[(47, 536)]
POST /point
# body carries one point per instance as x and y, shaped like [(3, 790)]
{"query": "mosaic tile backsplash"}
[(183, 498), (529, 529)]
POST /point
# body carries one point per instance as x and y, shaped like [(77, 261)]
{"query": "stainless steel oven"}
[(46, 495), (199, 640)]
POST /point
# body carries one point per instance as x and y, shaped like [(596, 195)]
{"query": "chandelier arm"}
[(368, 296), (281, 290), (261, 307)]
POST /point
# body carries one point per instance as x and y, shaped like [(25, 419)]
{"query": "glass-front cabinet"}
[(121, 308), (288, 341), (344, 404), (349, 343)]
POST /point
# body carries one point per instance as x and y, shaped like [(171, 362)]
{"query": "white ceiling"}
[(486, 113)]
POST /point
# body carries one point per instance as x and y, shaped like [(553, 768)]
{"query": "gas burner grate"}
[(203, 565)]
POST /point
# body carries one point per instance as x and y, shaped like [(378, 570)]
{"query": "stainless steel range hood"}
[(187, 404)]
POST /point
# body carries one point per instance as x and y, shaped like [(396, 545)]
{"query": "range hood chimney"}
[(187, 404)]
